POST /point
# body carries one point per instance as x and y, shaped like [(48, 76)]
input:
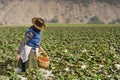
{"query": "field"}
[(76, 53)]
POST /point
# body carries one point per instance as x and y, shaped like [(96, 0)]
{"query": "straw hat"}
[(38, 23)]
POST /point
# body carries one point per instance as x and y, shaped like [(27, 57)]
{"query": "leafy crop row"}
[(75, 52)]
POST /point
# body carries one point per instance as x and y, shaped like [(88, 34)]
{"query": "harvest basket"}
[(43, 61)]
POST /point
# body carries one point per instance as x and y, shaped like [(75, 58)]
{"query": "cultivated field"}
[(76, 53)]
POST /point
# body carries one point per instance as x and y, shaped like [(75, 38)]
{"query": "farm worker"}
[(28, 49)]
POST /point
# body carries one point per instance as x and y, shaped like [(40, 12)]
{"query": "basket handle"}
[(43, 51), (45, 54)]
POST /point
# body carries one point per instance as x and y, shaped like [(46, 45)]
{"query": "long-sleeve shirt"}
[(27, 37)]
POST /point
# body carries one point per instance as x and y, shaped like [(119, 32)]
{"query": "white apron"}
[(26, 51)]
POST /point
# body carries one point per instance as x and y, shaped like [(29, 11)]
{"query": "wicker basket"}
[(43, 63)]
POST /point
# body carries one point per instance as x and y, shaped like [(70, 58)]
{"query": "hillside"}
[(60, 11)]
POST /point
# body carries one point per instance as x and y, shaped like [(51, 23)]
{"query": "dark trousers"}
[(31, 63)]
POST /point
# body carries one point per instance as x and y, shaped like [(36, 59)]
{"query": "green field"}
[(76, 53), (67, 25)]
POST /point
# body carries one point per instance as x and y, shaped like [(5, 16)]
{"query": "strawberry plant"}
[(90, 53)]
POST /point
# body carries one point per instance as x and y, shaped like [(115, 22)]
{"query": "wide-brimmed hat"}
[(38, 23)]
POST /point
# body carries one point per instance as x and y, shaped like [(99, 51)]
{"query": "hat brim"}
[(37, 26)]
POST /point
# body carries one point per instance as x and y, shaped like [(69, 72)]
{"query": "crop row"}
[(75, 52)]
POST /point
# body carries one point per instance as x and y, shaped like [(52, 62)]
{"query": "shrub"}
[(115, 21), (95, 20), (54, 20)]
